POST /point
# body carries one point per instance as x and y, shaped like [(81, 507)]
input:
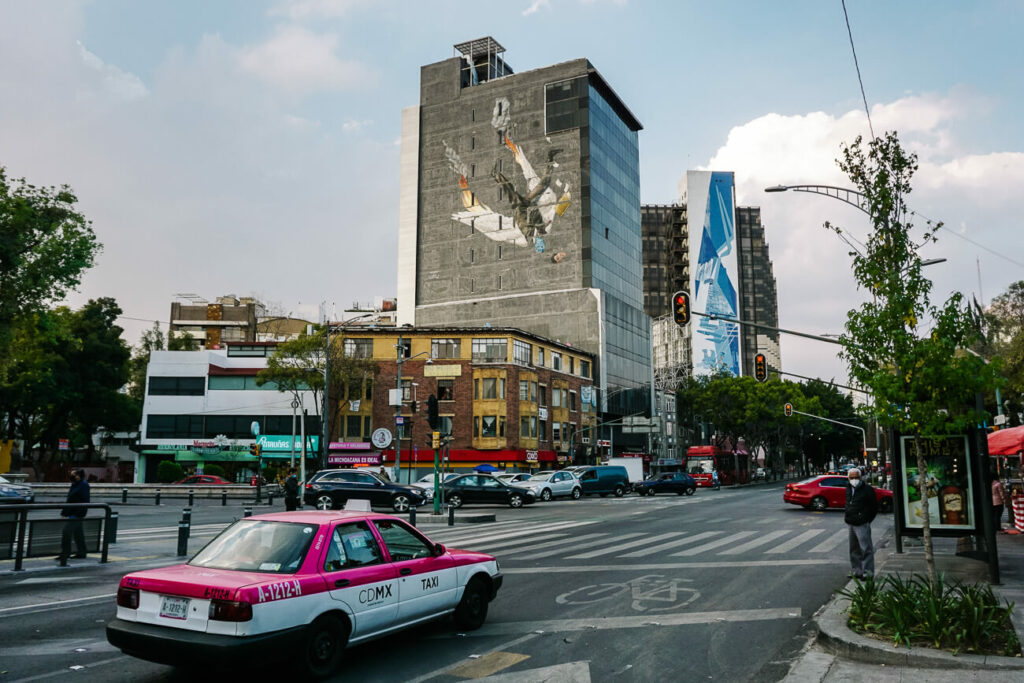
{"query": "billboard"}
[(714, 271), (947, 483)]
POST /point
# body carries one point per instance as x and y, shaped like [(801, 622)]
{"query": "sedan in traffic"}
[(553, 484), (299, 587), (679, 483), (829, 491), (204, 480), (15, 493), (331, 489), (485, 489)]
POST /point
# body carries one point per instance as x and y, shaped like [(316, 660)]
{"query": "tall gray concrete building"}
[(520, 207)]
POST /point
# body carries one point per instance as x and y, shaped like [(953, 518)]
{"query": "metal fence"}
[(22, 537)]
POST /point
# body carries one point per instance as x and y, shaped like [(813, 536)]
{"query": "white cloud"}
[(305, 9), (535, 7), (120, 83), (352, 126), (300, 61)]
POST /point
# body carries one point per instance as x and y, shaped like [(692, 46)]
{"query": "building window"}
[(490, 350), (472, 170), (533, 427), (556, 432), (352, 427), (499, 246), (406, 390), (556, 361), (368, 393), (446, 348), (585, 368), (533, 392), (358, 348), (177, 386), (472, 142), (476, 427), (489, 426), (366, 425), (540, 356), (445, 390), (472, 256), (521, 352), (524, 390), (405, 347), (572, 365), (444, 425), (556, 397), (542, 433), (247, 350), (543, 395), (472, 114), (492, 388), (499, 282), (501, 426), (524, 427), (572, 401)]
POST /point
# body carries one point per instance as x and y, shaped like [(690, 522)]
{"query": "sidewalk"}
[(840, 655)]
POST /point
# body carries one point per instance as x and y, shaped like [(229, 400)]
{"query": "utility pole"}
[(398, 415)]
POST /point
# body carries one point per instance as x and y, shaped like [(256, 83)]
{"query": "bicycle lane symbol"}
[(650, 593)]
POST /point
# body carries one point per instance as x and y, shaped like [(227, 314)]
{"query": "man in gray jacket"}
[(861, 508)]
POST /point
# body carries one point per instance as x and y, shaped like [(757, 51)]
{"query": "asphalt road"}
[(720, 586)]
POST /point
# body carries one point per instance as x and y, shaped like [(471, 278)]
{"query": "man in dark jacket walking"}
[(861, 508), (78, 493), (291, 491)]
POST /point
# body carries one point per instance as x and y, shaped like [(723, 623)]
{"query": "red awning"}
[(1006, 441)]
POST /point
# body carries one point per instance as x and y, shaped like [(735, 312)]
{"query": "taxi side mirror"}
[(439, 549)]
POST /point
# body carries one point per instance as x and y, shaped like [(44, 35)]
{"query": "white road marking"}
[(830, 544), (460, 535), (794, 542), (514, 534), (490, 547), (623, 546), (672, 544), (66, 601), (689, 552), (737, 564), (575, 544), (581, 546), (750, 545)]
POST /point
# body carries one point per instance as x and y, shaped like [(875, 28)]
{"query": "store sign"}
[(354, 459), (947, 483), (270, 442), (532, 456), (63, 444), (604, 443), (439, 370), (350, 446), (542, 413)]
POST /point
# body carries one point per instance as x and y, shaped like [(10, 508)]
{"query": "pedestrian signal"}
[(254, 450), (432, 412), (681, 308), (788, 410), (435, 440), (760, 368)]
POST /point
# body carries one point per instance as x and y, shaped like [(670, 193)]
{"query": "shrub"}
[(169, 471), (213, 470)]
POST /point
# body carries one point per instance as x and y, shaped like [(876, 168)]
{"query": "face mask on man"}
[(854, 482)]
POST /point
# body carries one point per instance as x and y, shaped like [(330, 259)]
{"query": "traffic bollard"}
[(451, 515), (182, 538), (247, 512), (191, 497), (124, 496), (270, 499), (186, 516), (223, 497), (157, 500), (412, 516), (112, 529)]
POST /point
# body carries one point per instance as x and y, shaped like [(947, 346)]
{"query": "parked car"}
[(604, 479), (15, 493), (484, 488), (679, 483), (513, 477), (426, 482), (299, 587), (553, 484), (330, 489), (204, 480), (829, 491)]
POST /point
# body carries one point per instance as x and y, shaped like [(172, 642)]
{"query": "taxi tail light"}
[(229, 610), (128, 597)]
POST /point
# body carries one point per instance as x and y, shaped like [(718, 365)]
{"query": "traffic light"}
[(760, 368), (254, 450), (432, 412), (681, 308), (435, 440), (788, 410)]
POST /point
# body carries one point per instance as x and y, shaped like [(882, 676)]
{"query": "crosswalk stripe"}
[(750, 545), (526, 532), (830, 544), (714, 544), (623, 546), (491, 547), (672, 544), (476, 531), (552, 544), (582, 546), (794, 542)]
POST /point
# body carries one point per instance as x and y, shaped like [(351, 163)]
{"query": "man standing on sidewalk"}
[(861, 508), (291, 491), (78, 493)]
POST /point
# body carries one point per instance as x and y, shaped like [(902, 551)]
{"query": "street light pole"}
[(398, 415)]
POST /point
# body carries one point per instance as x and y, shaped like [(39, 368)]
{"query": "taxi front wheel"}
[(325, 643), (471, 611)]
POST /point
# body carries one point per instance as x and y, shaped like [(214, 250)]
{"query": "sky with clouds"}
[(248, 147)]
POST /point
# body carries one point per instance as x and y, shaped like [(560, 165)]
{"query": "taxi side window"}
[(401, 542), (352, 545)]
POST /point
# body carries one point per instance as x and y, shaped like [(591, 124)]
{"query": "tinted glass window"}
[(401, 542), (257, 546), (352, 545), (833, 481)]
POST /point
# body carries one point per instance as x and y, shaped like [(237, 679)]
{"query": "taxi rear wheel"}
[(400, 503), (325, 643), (324, 502), (471, 611)]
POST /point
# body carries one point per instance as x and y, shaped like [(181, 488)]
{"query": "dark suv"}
[(330, 489)]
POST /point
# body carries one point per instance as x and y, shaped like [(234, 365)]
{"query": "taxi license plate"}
[(174, 608)]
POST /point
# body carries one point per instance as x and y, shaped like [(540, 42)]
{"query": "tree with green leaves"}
[(898, 343), (45, 247), (1004, 341)]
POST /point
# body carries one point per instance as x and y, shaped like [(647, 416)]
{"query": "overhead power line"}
[(857, 65)]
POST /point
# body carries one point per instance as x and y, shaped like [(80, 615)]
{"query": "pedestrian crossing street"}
[(585, 540)]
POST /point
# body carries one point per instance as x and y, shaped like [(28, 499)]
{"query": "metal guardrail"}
[(18, 534)]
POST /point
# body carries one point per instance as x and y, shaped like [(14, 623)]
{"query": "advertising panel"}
[(947, 483), (714, 271)]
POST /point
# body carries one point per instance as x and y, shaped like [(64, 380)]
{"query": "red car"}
[(207, 479), (829, 491)]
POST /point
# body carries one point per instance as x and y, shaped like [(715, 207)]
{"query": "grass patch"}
[(959, 617)]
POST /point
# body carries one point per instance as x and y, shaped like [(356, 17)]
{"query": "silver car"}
[(426, 482), (513, 477), (554, 484)]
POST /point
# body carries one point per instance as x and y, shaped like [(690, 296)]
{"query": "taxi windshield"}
[(258, 546)]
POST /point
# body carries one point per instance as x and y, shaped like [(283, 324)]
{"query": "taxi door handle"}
[(340, 583), (405, 572)]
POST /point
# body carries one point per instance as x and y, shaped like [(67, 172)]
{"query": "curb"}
[(837, 638)]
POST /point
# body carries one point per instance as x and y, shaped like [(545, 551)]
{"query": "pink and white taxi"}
[(302, 585)]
